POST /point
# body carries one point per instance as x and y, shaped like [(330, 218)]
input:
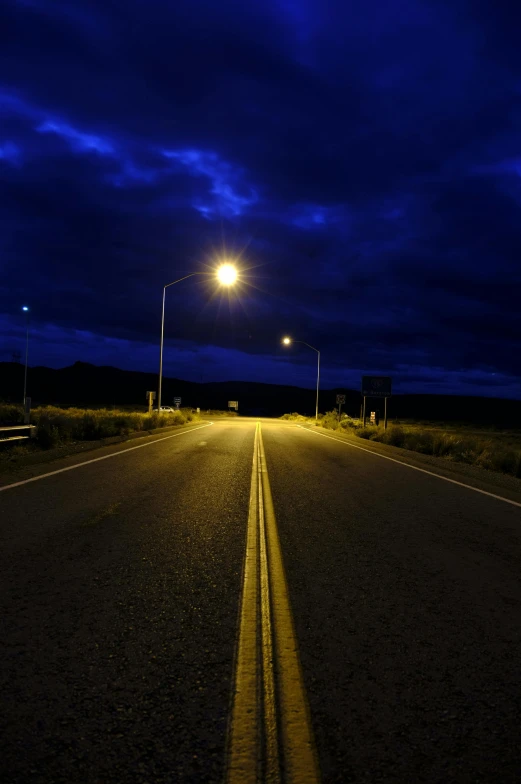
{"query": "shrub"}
[(394, 436), (47, 434), (419, 441), (473, 451), (348, 423), (11, 414), (330, 420), (509, 462), (56, 425), (367, 433), (442, 444), (88, 428)]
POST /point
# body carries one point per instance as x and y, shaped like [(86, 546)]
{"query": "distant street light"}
[(25, 309), (225, 274), (287, 342)]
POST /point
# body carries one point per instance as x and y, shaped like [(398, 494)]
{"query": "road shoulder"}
[(488, 481), (36, 463)]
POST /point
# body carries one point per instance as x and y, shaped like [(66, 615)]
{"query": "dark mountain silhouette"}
[(83, 384)]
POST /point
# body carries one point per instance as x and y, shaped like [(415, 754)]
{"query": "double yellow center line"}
[(270, 738)]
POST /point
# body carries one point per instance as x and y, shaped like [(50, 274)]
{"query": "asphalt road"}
[(120, 588)]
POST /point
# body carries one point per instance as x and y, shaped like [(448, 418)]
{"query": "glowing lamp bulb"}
[(227, 274)]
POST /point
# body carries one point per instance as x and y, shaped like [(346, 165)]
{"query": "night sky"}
[(360, 159)]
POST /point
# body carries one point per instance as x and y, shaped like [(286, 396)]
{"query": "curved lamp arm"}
[(185, 277), (190, 275), (306, 344)]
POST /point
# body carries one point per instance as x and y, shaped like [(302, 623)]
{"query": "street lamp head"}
[(25, 308), (286, 341), (227, 274)]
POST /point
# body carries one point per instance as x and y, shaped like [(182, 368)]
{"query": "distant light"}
[(286, 341), (227, 274), (25, 308)]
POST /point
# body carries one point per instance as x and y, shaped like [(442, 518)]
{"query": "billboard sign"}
[(233, 404), (376, 386)]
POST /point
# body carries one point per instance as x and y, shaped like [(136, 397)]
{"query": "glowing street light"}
[(287, 341), (25, 309), (226, 274)]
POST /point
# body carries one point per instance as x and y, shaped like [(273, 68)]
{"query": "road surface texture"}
[(125, 628)]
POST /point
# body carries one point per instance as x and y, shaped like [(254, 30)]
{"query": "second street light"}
[(225, 274), (25, 309), (287, 342)]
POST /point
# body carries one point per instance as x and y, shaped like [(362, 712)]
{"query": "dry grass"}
[(58, 425)]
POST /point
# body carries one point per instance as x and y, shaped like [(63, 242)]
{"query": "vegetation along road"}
[(245, 601)]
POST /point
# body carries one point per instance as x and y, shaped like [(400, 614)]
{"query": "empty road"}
[(244, 601)]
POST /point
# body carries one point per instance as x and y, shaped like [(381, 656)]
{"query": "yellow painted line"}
[(270, 738), (97, 459), (415, 468), (299, 757), (244, 736), (271, 743)]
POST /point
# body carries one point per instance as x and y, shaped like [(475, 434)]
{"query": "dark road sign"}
[(376, 386)]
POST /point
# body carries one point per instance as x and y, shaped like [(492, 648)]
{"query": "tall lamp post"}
[(226, 274), (25, 309), (287, 342)]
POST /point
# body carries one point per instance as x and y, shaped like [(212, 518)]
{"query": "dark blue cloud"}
[(362, 159)]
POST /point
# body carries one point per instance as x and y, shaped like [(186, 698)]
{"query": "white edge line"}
[(97, 459), (415, 468)]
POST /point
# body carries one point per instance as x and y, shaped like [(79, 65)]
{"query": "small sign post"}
[(177, 402), (340, 399), (376, 386), (233, 404), (151, 396)]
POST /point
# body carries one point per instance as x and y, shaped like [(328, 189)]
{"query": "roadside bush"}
[(462, 449), (11, 414), (369, 433), (419, 441), (394, 436), (330, 420), (349, 424), (442, 444), (47, 434), (56, 425), (508, 461)]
